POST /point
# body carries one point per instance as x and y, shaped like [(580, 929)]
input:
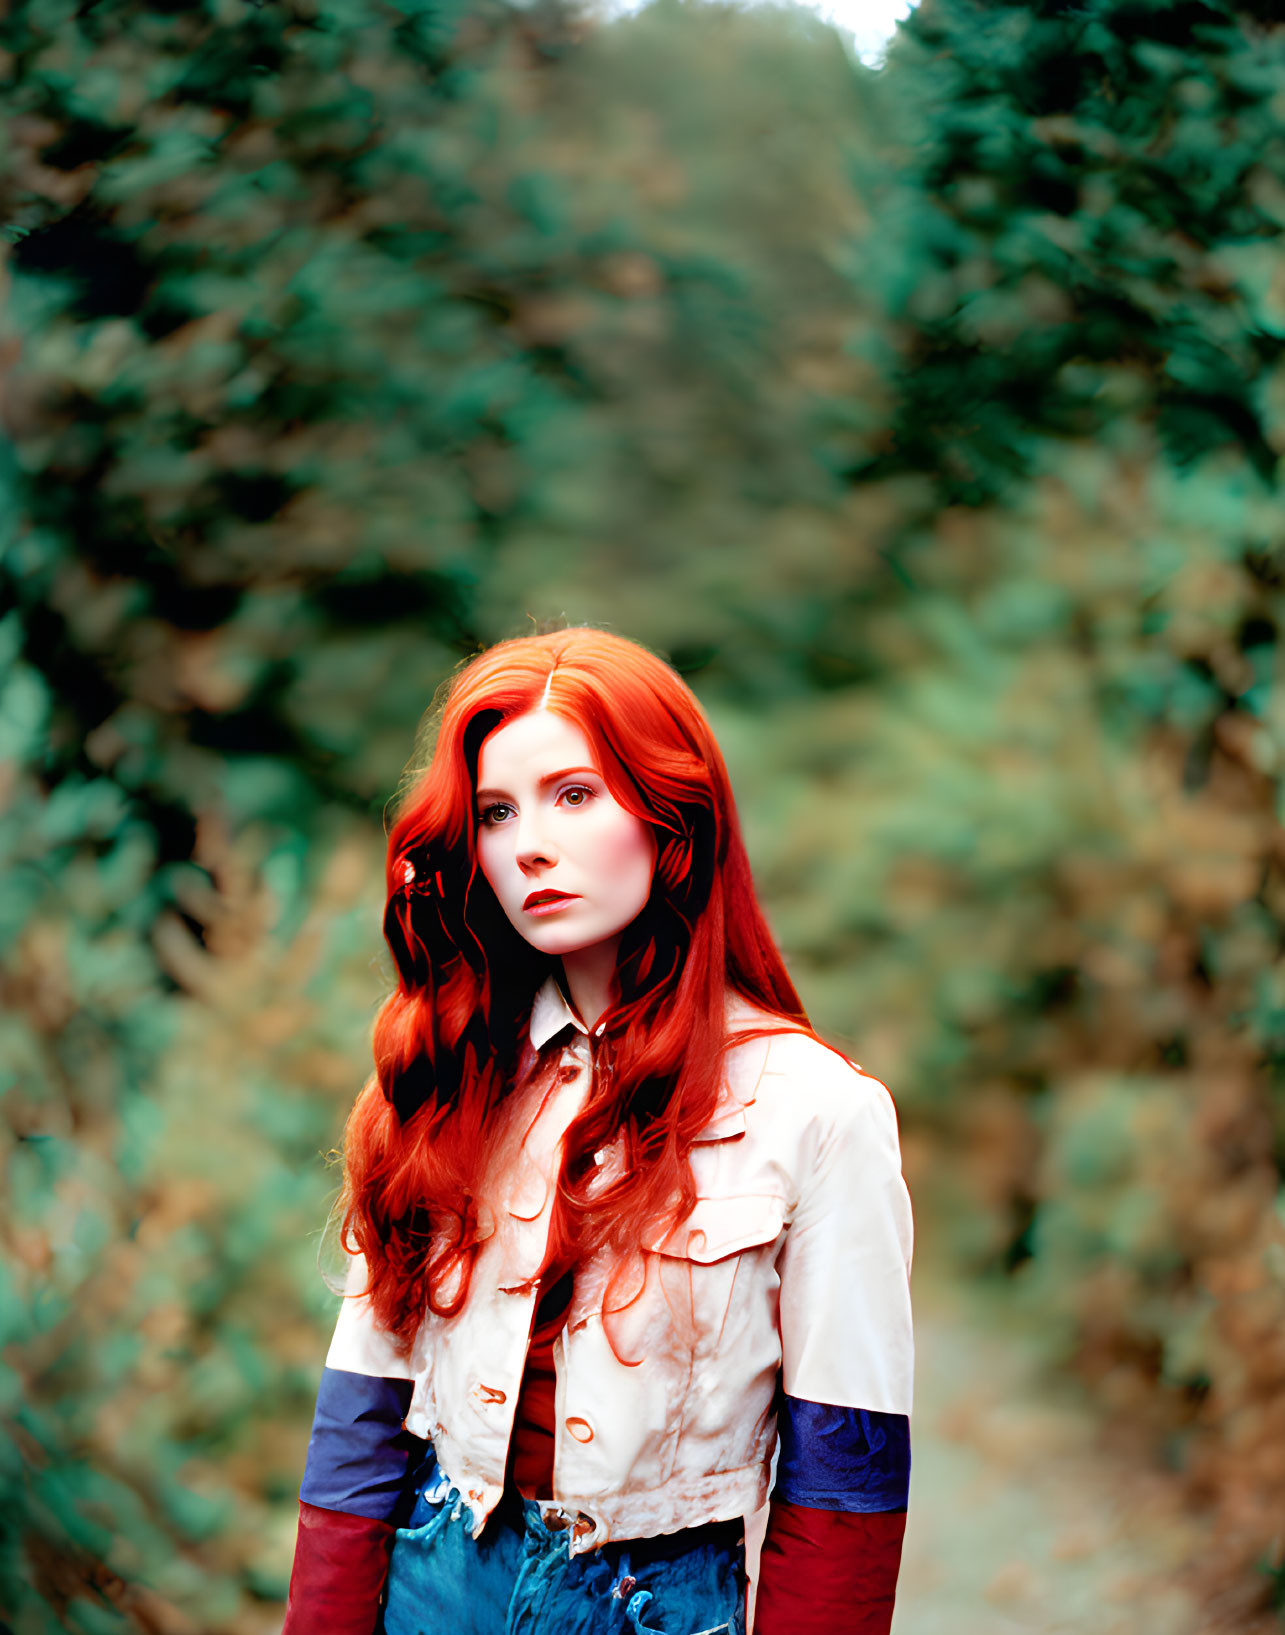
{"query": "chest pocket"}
[(709, 1257), (718, 1227)]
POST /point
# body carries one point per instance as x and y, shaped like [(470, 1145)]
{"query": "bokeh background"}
[(929, 417)]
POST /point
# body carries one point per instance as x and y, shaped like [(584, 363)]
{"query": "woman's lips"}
[(542, 903)]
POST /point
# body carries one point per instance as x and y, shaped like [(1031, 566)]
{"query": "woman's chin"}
[(557, 940), (551, 939)]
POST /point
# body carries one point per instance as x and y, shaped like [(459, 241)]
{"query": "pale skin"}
[(547, 822)]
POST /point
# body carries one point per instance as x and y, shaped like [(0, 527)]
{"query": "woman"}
[(621, 1221)]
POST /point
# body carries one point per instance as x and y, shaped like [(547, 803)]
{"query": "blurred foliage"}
[(928, 419), (1082, 267)]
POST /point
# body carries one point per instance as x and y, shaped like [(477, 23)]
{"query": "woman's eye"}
[(488, 817), (578, 789)]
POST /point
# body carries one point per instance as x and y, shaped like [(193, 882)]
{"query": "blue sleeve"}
[(854, 1459), (359, 1449)]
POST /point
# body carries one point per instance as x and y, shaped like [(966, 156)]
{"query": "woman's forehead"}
[(531, 746)]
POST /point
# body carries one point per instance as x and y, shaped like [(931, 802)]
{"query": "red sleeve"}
[(828, 1572), (340, 1563)]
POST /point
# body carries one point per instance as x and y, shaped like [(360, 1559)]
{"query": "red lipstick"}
[(547, 901)]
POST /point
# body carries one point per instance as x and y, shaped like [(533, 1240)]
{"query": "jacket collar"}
[(551, 1014)]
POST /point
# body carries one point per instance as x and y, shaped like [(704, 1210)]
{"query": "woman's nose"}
[(532, 844)]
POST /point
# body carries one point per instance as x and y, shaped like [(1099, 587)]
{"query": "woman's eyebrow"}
[(549, 777)]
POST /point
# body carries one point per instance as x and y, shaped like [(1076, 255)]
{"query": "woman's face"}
[(570, 866)]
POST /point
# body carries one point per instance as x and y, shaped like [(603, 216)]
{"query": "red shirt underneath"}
[(531, 1445)]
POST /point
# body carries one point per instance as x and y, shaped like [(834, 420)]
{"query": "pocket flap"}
[(718, 1227)]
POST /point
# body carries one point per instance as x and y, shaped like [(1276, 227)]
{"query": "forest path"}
[(1023, 1520)]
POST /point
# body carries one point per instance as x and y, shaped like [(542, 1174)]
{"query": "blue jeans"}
[(519, 1578)]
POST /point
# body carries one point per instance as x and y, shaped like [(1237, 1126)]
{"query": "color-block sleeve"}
[(833, 1548), (353, 1476), (846, 1330), (832, 1552)]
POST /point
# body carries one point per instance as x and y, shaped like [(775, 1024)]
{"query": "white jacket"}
[(793, 1265)]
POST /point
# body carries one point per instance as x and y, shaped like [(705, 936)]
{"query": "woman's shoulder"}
[(801, 1073)]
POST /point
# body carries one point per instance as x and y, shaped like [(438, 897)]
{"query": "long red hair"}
[(449, 1039)]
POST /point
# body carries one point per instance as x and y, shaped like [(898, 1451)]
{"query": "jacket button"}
[(581, 1429)]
